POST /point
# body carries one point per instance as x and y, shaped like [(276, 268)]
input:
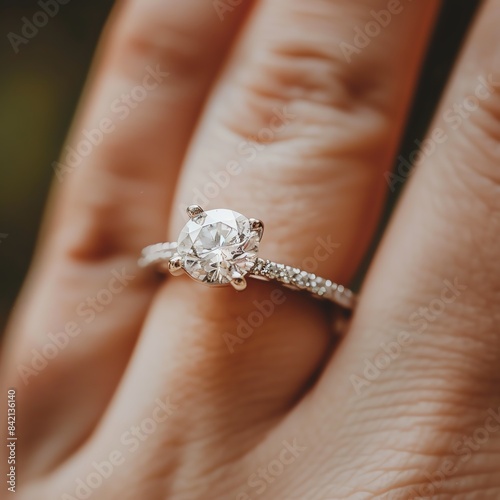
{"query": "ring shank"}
[(159, 253), (297, 279), (288, 276)]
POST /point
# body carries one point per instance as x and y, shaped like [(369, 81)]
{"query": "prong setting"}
[(238, 282), (220, 247), (175, 265), (194, 210), (257, 226)]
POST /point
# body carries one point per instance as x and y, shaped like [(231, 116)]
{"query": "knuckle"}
[(336, 111), (465, 203), (487, 117), (151, 33), (428, 419), (424, 451), (476, 119)]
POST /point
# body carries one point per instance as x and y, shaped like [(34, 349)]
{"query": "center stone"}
[(216, 245)]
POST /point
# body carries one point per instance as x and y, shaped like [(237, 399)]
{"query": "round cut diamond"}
[(217, 245)]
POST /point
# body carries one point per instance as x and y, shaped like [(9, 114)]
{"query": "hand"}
[(128, 387)]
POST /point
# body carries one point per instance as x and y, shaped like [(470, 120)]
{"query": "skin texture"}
[(406, 405)]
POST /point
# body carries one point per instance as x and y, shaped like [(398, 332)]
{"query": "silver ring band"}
[(226, 243), (160, 254)]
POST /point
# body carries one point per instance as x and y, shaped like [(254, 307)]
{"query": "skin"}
[(406, 405)]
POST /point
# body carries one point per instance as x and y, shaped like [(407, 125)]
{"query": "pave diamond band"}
[(294, 278), (158, 254), (220, 247)]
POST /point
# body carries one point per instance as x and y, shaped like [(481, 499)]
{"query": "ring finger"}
[(296, 133)]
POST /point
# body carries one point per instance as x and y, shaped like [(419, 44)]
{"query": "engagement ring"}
[(220, 247)]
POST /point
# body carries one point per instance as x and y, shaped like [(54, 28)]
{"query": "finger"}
[(314, 182), (424, 346), (85, 302)]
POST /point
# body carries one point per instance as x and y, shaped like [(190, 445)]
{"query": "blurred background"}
[(40, 82)]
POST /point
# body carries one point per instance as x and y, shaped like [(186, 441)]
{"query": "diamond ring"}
[(220, 247)]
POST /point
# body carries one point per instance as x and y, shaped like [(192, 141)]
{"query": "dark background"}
[(40, 87)]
